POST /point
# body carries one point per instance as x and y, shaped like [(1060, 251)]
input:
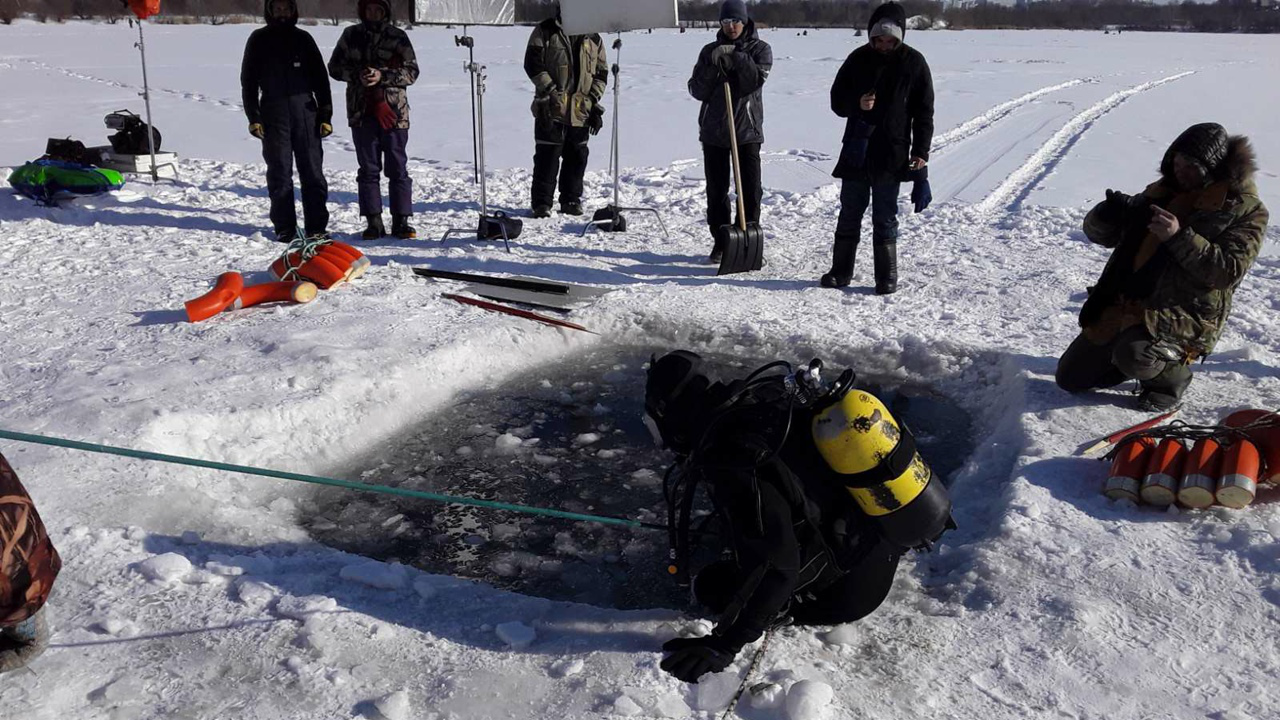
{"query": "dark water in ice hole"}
[(565, 436)]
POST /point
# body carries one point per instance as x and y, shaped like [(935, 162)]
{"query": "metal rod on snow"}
[(470, 43), (146, 100), (616, 154)]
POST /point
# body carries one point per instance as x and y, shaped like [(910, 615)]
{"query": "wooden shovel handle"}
[(733, 144)]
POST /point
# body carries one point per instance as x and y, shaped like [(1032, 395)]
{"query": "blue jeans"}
[(855, 195)]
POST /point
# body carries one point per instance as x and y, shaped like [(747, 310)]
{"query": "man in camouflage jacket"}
[(376, 61), (1181, 247), (569, 73)]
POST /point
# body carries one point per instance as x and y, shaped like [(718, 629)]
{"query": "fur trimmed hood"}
[(1237, 167)]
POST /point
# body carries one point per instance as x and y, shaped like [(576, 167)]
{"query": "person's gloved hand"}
[(921, 195), (256, 130), (595, 121), (384, 114), (1114, 207), (1163, 351), (325, 129), (722, 57), (691, 658)]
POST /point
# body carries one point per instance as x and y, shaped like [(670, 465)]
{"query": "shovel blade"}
[(742, 250), (492, 226)]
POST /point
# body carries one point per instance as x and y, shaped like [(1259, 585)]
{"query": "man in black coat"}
[(885, 90), (798, 548), (285, 90), (739, 57)]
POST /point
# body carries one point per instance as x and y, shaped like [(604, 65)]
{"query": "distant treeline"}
[(1222, 16)]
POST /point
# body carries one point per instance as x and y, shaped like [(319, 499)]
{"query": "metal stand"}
[(614, 221), (486, 222), (146, 98), (469, 43)]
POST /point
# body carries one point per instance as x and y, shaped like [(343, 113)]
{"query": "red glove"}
[(382, 110)]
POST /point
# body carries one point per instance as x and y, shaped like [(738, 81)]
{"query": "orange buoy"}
[(225, 291), (359, 263), (1127, 468), (318, 270), (298, 291), (1164, 469), (1266, 438), (1241, 464), (1200, 474)]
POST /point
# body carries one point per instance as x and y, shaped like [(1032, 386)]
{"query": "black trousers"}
[(547, 166), (1084, 365), (293, 132), (719, 168)]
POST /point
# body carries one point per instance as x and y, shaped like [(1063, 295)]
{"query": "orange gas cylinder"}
[(1200, 474), (144, 8), (298, 291), (225, 291), (1239, 482), (1160, 484), (1127, 468), (1266, 438)]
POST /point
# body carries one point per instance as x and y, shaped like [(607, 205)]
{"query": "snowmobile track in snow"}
[(979, 123), (197, 97), (1010, 194)]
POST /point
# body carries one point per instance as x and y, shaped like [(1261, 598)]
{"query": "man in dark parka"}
[(1181, 248), (737, 56), (885, 90), (287, 101), (569, 73)]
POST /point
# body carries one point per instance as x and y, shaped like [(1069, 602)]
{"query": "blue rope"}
[(320, 480)]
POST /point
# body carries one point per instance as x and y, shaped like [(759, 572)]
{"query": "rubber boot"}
[(886, 259), (841, 273), (376, 229), (1164, 391), (401, 228)]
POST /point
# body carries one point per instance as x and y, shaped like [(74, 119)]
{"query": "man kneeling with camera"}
[(1181, 247)]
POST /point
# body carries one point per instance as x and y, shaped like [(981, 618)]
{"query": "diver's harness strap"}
[(894, 464)]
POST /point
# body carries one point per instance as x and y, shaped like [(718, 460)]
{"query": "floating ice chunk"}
[(464, 451), (809, 700), (608, 454), (254, 593), (626, 707), (715, 691), (766, 695), (507, 443), (516, 634), (394, 706), (586, 439), (165, 568), (845, 634), (299, 608), (387, 576), (600, 410), (567, 667)]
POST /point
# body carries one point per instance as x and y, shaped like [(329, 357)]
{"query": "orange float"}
[(1128, 468), (225, 291), (1238, 484), (144, 8), (298, 291), (1200, 474), (1160, 485), (1266, 438)]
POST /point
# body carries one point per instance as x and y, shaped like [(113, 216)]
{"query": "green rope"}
[(306, 248), (320, 480)]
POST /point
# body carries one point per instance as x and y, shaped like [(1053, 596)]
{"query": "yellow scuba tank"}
[(876, 460)]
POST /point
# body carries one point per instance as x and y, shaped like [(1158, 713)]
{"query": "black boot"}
[(841, 273), (1164, 391), (376, 229), (886, 259), (401, 228)]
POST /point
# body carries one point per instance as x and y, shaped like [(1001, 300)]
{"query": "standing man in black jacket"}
[(286, 97), (885, 90), (739, 57)]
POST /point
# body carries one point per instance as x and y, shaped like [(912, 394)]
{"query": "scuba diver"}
[(817, 492)]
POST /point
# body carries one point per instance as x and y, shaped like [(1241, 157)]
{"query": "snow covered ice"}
[(1049, 599)]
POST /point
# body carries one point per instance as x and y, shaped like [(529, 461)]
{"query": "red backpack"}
[(28, 561)]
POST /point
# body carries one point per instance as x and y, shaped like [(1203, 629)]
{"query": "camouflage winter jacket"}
[(569, 75), (1181, 289), (382, 46), (28, 561)]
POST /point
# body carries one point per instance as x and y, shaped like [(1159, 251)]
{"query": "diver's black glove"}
[(691, 658), (1115, 207)]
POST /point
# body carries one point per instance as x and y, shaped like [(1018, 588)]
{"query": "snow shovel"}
[(742, 247)]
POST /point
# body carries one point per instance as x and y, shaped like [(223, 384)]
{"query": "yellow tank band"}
[(897, 493)]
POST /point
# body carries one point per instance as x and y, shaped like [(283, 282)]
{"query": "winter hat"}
[(673, 390), (895, 14), (734, 10), (364, 4), (887, 27), (1205, 143), (271, 19)]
